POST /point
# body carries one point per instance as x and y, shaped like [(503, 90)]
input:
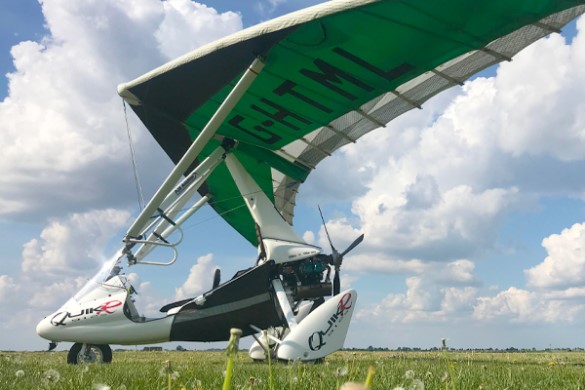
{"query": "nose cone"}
[(47, 330)]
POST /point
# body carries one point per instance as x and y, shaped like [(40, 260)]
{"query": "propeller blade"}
[(336, 283), (326, 231), (353, 245)]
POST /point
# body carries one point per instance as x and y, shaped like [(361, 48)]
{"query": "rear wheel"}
[(92, 353)]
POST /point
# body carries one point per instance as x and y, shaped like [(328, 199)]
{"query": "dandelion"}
[(417, 384), (101, 386), (445, 377), (341, 371), (399, 388), (251, 381), (232, 351), (51, 376), (169, 372), (409, 374), (19, 373)]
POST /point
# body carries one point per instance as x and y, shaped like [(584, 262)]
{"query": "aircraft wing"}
[(332, 73)]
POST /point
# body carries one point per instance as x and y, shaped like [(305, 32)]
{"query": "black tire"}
[(94, 353)]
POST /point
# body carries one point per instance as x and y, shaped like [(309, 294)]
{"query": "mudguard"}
[(322, 332)]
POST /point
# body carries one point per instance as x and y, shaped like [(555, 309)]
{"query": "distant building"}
[(149, 349)]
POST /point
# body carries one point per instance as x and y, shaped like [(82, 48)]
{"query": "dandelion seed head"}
[(101, 386), (445, 377), (175, 375), (398, 388), (19, 373), (417, 384), (51, 376), (409, 374), (341, 371)]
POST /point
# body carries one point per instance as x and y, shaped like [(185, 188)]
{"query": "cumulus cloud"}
[(7, 287), (64, 141), (424, 301), (518, 305), (71, 245), (199, 280), (186, 26), (437, 291), (565, 264)]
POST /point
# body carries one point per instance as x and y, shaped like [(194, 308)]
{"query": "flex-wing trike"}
[(236, 131), (280, 300)]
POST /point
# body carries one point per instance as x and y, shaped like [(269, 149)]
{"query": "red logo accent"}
[(344, 304), (106, 307)]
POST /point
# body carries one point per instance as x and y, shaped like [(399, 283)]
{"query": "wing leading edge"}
[(332, 73)]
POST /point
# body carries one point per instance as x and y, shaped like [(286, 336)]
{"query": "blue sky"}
[(472, 207)]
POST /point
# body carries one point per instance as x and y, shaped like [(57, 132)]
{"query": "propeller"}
[(336, 257)]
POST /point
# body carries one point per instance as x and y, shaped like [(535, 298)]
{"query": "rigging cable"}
[(133, 157)]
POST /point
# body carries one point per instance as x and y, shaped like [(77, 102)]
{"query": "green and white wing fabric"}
[(332, 73)]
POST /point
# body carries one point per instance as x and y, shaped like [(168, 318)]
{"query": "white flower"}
[(19, 373), (101, 386), (51, 376), (409, 374), (341, 371), (417, 384)]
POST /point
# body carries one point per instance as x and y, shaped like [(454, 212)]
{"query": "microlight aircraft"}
[(246, 119)]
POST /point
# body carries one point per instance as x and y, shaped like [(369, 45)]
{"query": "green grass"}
[(205, 370)]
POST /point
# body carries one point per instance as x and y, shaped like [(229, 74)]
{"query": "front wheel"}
[(93, 353)]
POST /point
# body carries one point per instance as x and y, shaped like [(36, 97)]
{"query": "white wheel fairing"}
[(322, 332)]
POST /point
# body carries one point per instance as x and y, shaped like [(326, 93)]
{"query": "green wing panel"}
[(332, 73)]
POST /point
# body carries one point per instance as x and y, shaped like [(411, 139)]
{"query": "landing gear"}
[(89, 353)]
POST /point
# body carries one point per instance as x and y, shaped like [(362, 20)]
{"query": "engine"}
[(308, 278)]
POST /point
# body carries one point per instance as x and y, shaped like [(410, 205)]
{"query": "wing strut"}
[(142, 223)]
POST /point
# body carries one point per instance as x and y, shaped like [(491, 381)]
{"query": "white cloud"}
[(518, 305), (7, 287), (64, 141), (422, 301), (49, 297), (436, 292), (70, 246), (186, 26), (309, 237), (199, 280), (565, 264)]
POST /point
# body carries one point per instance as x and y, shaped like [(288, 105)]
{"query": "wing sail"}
[(333, 73)]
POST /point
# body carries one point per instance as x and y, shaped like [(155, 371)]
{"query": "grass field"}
[(205, 370)]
